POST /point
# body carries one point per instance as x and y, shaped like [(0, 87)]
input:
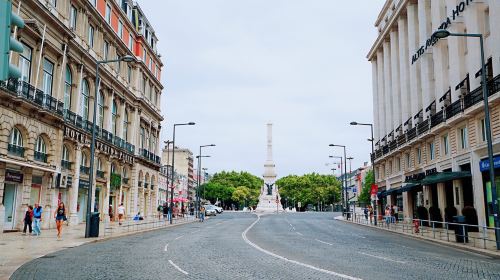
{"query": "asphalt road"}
[(244, 246)]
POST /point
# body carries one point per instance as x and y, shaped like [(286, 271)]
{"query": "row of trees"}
[(232, 188), (309, 189)]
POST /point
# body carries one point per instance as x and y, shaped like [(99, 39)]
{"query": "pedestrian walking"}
[(202, 213), (387, 215), (37, 215), (366, 213), (110, 212), (371, 214), (28, 219), (121, 213), (165, 211), (60, 216), (159, 209)]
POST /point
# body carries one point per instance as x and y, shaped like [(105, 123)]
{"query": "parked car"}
[(218, 209), (210, 210)]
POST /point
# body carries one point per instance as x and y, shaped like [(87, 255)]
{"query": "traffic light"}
[(8, 43)]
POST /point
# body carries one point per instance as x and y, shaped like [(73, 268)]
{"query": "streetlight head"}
[(331, 145), (441, 33), (128, 58), (191, 123), (212, 145), (354, 123)]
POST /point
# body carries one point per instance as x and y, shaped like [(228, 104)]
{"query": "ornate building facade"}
[(46, 116), (428, 107)]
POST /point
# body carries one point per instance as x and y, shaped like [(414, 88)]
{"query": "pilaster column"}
[(426, 70), (413, 46), (73, 213), (387, 87), (439, 53), (376, 112), (105, 203), (458, 196), (407, 206), (494, 45), (381, 94), (441, 193), (121, 112), (396, 91), (456, 51), (108, 113), (404, 77)]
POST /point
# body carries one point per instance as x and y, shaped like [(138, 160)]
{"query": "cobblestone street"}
[(243, 246)]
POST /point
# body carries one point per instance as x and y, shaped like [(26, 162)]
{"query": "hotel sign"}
[(459, 9), (100, 146)]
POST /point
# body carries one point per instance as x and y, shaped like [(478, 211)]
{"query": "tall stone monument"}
[(269, 199)]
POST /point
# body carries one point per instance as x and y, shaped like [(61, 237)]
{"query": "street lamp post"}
[(172, 175), (341, 176), (127, 58), (168, 142), (345, 174), (350, 182), (204, 171), (372, 158), (199, 177), (440, 34)]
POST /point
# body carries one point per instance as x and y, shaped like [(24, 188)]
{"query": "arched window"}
[(125, 126), (65, 153), (68, 81), (100, 104), (113, 168), (40, 150), (99, 164), (114, 112), (84, 109), (143, 135), (83, 161), (124, 173), (15, 146)]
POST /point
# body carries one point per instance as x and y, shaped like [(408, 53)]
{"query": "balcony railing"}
[(84, 169), (100, 174), (411, 134), (423, 127), (38, 156), (437, 119), (14, 150), (401, 140), (33, 95), (66, 164), (454, 109)]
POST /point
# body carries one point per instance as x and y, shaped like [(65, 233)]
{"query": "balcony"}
[(152, 186), (411, 134), (125, 181), (129, 147), (454, 109), (14, 150), (117, 141), (42, 157), (65, 164), (393, 145), (437, 119), (100, 174), (33, 95), (107, 136), (84, 170), (423, 127), (401, 140)]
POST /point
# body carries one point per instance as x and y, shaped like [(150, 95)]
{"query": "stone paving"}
[(242, 246), (17, 249)]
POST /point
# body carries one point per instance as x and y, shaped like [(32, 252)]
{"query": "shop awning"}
[(441, 177), (382, 194), (409, 186)]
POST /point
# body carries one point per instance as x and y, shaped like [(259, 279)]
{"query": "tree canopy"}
[(364, 196)]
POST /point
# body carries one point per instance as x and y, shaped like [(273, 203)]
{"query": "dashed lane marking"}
[(382, 258), (320, 241), (179, 237), (166, 248), (177, 267), (299, 233), (244, 236)]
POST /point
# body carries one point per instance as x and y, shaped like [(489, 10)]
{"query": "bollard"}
[(484, 236), (463, 232), (433, 231), (447, 235)]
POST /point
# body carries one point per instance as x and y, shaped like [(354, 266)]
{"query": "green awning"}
[(409, 186), (441, 177)]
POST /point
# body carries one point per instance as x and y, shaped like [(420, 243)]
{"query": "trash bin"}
[(94, 224), (461, 232)]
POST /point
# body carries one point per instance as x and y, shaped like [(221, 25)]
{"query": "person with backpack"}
[(37, 215)]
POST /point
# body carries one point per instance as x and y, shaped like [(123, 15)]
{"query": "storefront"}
[(12, 194), (81, 206), (484, 167)]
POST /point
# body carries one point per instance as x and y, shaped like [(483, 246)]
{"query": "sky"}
[(232, 66)]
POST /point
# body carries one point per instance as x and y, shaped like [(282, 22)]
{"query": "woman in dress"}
[(60, 216)]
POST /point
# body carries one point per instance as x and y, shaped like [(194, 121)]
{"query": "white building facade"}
[(428, 108)]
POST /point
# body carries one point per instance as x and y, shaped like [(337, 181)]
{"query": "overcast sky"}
[(231, 66)]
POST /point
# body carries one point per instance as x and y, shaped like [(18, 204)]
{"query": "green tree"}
[(364, 196)]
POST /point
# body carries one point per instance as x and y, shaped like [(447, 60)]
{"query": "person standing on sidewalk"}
[(60, 216), (121, 213), (37, 215), (202, 213), (28, 219)]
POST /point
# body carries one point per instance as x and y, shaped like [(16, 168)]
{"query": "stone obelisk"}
[(269, 199)]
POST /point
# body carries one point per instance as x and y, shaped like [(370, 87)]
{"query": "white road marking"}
[(218, 223), (244, 236), (324, 242), (176, 267), (166, 248), (196, 231), (179, 237), (361, 236), (382, 258), (299, 233)]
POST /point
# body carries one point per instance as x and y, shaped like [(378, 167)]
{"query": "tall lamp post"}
[(172, 175), (199, 177), (126, 58), (350, 182), (204, 172), (440, 34), (372, 157), (341, 176), (333, 173), (167, 143), (345, 174)]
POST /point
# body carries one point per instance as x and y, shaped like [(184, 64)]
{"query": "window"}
[(482, 130), (130, 42), (113, 168), (430, 146), (91, 36), (144, 83), (68, 81), (124, 172), (143, 135), (150, 91), (152, 141), (463, 138), (94, 2), (446, 145), (73, 14), (150, 64), (40, 150), (16, 139), (65, 153), (99, 164), (100, 104), (25, 63), (120, 29), (105, 51), (125, 126), (53, 3), (83, 161), (407, 156), (398, 164), (129, 74), (419, 155), (108, 13), (84, 99), (144, 55), (48, 72), (114, 112), (391, 168)]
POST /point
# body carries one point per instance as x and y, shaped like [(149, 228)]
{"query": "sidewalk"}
[(477, 242), (17, 249)]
